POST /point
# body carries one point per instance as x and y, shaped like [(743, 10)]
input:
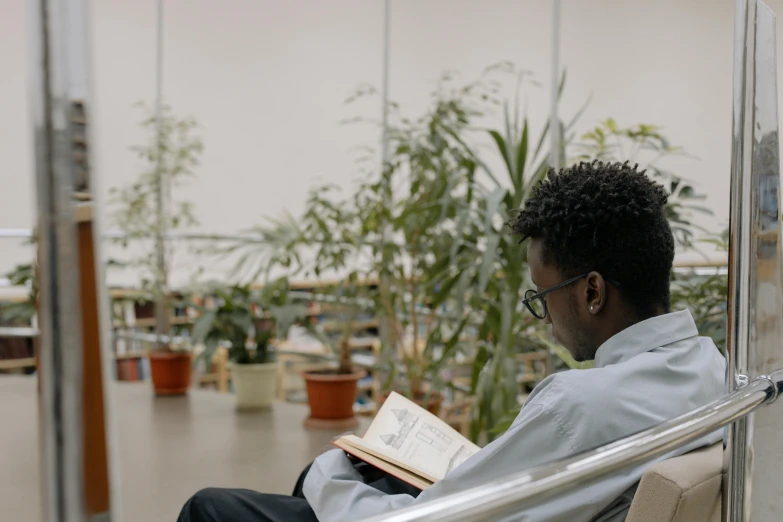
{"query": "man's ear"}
[(595, 292)]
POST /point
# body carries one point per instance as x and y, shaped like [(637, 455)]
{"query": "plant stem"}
[(346, 365), (414, 377)]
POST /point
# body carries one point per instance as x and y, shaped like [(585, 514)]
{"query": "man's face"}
[(569, 326)]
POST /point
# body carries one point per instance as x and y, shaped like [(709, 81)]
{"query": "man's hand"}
[(354, 460)]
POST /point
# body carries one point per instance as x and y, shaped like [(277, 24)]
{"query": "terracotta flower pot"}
[(170, 372), (331, 397)]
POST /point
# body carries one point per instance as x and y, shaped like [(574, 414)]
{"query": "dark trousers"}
[(244, 505)]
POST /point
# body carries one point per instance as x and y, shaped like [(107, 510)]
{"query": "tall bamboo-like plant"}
[(389, 230), (169, 159), (487, 266), (646, 145)]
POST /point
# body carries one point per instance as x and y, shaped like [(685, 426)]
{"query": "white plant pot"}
[(255, 385)]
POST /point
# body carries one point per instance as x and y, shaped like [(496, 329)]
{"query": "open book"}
[(410, 443)]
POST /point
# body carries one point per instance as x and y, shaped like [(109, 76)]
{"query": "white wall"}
[(267, 79)]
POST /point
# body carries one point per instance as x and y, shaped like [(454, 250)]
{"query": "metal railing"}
[(10, 332), (27, 233), (508, 495), (362, 360)]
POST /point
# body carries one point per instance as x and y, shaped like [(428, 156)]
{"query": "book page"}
[(357, 447), (409, 434)]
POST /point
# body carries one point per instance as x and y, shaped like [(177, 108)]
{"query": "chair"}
[(216, 372), (681, 489)]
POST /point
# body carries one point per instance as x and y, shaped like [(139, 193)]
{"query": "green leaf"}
[(487, 263), (210, 347), (285, 316), (444, 292), (502, 148), (462, 220), (493, 205), (521, 160), (451, 346), (203, 325)]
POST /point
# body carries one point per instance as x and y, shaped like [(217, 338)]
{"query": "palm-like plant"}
[(230, 320), (235, 318), (21, 312)]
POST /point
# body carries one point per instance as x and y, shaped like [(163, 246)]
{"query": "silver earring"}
[(591, 308)]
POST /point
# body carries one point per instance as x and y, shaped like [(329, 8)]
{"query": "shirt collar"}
[(646, 335)]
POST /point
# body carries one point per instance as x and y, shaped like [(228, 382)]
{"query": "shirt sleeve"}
[(336, 492)]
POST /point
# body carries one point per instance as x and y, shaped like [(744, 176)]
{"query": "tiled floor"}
[(169, 448)]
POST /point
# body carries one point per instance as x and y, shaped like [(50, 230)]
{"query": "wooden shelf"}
[(15, 364), (135, 293), (364, 343), (357, 325), (312, 285), (10, 298), (310, 313), (177, 320), (130, 355), (127, 293)]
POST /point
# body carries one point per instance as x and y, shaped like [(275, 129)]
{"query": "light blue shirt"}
[(650, 372)]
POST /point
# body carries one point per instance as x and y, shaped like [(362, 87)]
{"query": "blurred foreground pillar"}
[(753, 455), (72, 368)]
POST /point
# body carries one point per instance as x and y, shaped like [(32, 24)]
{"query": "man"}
[(600, 255)]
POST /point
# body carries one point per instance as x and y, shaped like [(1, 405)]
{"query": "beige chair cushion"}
[(682, 489)]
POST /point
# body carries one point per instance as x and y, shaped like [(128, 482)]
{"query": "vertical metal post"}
[(554, 119), (735, 465), (755, 267), (385, 85), (765, 350), (60, 346), (387, 324), (161, 282)]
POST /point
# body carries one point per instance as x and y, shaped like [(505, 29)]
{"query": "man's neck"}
[(621, 320)]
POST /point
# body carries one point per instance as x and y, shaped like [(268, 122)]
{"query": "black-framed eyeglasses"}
[(534, 301)]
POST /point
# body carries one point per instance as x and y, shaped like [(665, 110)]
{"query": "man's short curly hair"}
[(607, 217)]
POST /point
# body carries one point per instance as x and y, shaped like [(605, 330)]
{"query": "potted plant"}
[(331, 393), (252, 363), (22, 313), (146, 213)]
